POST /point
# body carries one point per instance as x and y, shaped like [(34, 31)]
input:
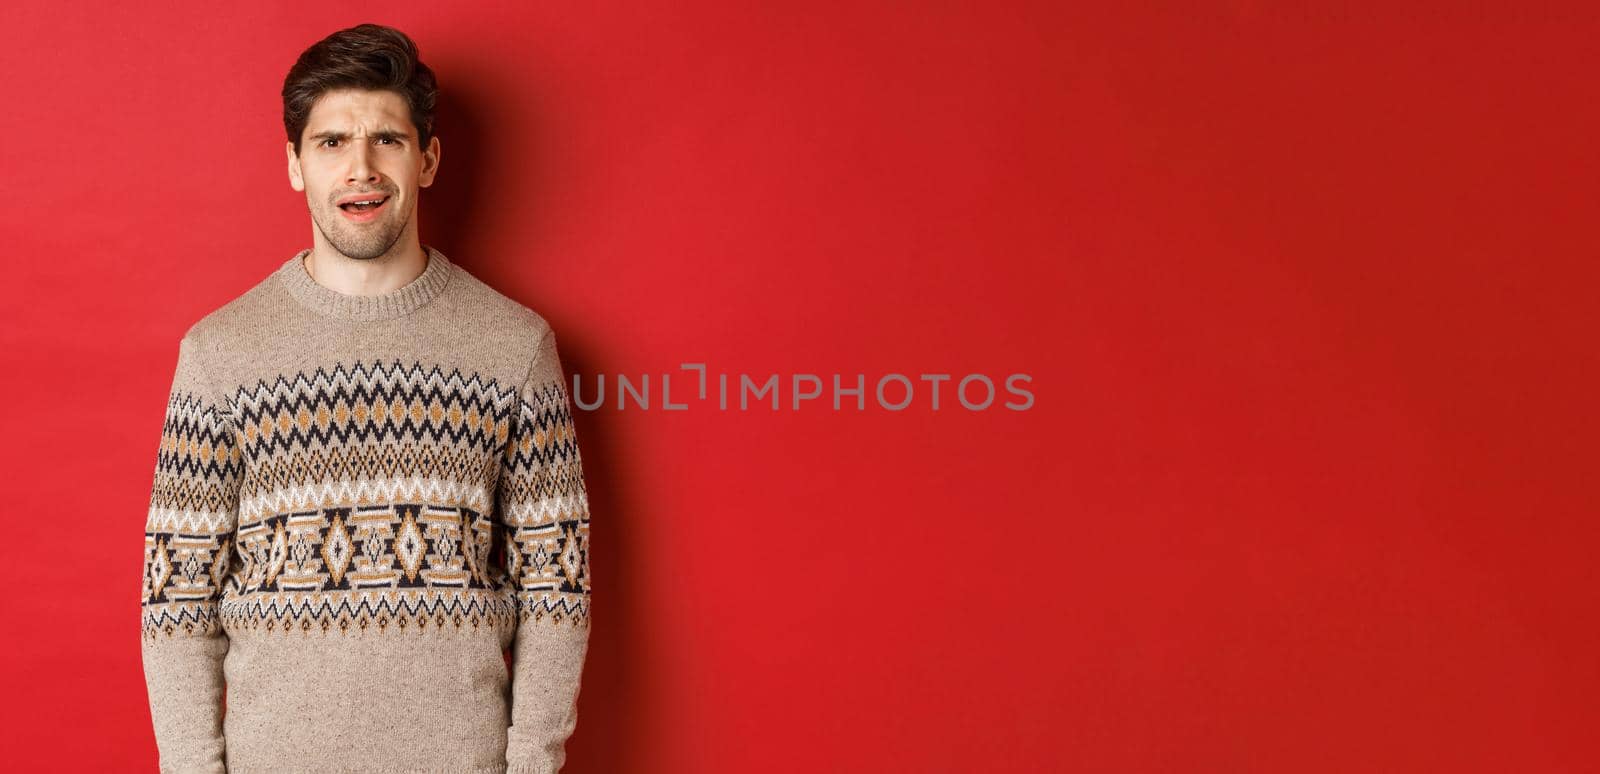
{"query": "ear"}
[(296, 182), (430, 162)]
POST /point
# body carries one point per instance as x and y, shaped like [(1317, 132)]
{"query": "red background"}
[(1308, 304)]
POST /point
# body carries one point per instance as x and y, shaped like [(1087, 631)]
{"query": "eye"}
[(325, 142)]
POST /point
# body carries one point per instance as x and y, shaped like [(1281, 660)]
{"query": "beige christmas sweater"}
[(360, 503)]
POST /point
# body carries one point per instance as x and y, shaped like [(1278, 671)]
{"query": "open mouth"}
[(366, 209)]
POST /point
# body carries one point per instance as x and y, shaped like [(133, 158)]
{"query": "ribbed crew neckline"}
[(395, 303)]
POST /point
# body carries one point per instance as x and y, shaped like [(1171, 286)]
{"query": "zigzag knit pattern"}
[(337, 531), (360, 503)]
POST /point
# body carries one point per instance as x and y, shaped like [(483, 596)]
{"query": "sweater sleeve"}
[(543, 515), (188, 537)]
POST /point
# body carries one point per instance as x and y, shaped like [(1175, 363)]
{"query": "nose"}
[(361, 168)]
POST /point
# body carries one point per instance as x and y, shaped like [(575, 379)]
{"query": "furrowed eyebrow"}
[(382, 134)]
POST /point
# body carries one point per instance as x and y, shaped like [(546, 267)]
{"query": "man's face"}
[(361, 145)]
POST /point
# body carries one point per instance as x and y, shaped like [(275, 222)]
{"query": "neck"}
[(366, 277), (402, 293)]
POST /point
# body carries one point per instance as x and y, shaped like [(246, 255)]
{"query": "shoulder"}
[(519, 333), (239, 316), (497, 314)]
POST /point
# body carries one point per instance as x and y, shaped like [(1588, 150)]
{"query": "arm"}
[(542, 511), (187, 542)]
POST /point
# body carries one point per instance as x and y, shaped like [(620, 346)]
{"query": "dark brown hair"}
[(366, 56)]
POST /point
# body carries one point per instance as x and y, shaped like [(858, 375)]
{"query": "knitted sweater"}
[(360, 502)]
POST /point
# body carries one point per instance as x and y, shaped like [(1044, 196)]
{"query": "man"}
[(368, 486)]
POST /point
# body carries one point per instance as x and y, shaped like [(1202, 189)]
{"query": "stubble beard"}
[(360, 242)]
